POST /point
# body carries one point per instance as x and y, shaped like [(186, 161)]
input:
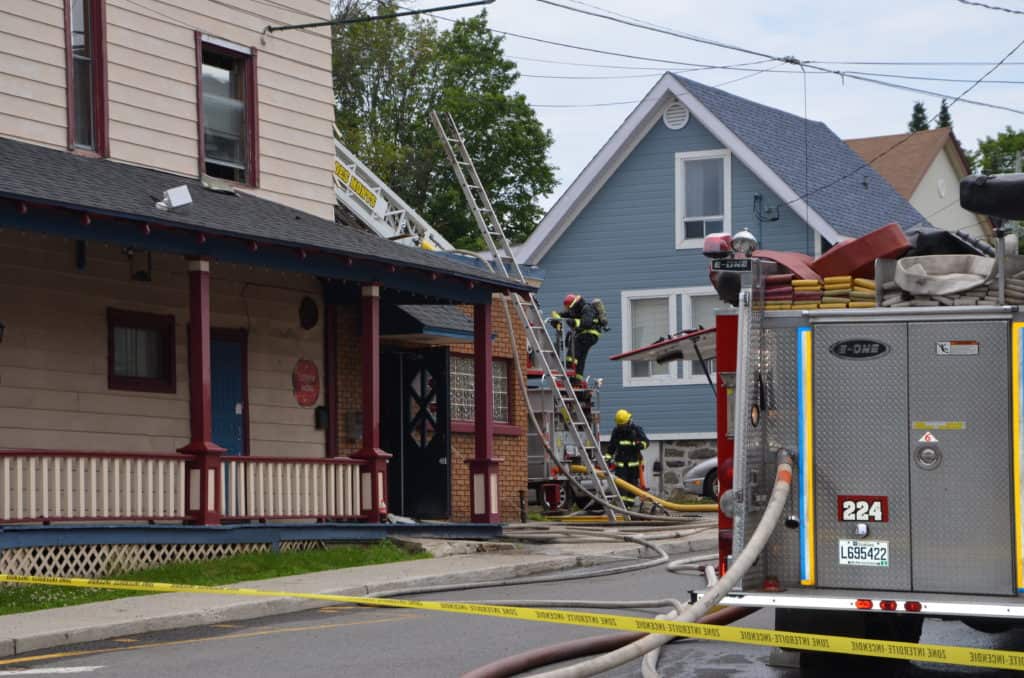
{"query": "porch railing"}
[(62, 486), (280, 488), (37, 485)]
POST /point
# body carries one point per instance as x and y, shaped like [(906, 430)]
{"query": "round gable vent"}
[(676, 116)]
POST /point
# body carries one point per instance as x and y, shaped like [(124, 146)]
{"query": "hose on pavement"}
[(740, 565), (644, 494)]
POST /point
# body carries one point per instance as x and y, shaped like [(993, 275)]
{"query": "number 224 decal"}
[(865, 509)]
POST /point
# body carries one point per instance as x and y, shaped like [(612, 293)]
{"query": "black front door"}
[(415, 429)]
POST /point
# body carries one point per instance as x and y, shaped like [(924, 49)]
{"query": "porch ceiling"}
[(34, 176)]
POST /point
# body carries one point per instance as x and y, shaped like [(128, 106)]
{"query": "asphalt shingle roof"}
[(437, 316), (851, 196), (35, 173)]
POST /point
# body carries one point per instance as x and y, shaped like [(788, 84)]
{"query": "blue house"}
[(688, 161)]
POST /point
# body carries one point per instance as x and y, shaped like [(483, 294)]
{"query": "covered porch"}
[(121, 317)]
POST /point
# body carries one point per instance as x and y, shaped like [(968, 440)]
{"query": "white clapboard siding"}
[(54, 391), (151, 86)]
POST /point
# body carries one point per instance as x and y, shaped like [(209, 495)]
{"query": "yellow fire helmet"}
[(622, 417)]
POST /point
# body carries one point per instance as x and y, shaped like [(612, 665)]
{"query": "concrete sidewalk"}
[(34, 631)]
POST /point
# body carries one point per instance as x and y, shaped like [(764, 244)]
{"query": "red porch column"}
[(202, 492), (483, 468), (374, 479)]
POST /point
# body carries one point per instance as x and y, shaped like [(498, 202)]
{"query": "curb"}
[(231, 609)]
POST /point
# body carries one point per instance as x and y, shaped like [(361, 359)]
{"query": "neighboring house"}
[(925, 168), (233, 356), (688, 161)]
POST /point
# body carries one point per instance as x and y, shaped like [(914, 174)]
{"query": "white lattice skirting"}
[(105, 560)]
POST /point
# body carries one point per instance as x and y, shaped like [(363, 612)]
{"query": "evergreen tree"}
[(944, 119), (919, 119)]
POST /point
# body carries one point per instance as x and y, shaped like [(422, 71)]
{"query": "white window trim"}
[(682, 242), (627, 297), (689, 376)]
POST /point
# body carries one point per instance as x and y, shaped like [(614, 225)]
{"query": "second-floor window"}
[(227, 93), (703, 196), (86, 75)]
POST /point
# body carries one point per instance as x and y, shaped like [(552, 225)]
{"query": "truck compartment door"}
[(960, 464)]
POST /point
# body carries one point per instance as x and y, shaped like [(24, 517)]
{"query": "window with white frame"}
[(699, 311), (703, 196), (648, 315)]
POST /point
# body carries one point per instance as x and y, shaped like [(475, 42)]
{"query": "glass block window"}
[(462, 385)]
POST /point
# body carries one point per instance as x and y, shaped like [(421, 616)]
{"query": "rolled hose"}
[(647, 495), (740, 565), (574, 649)]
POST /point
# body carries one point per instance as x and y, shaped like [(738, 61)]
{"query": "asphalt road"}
[(345, 641)]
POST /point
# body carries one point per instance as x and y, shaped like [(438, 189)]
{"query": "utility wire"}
[(986, 6), (784, 59)]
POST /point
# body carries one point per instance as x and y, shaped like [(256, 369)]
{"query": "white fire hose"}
[(740, 565)]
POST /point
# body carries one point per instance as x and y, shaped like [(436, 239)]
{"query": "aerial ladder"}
[(379, 208), (545, 357)]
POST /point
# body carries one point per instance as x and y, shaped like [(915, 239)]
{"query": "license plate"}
[(870, 553)]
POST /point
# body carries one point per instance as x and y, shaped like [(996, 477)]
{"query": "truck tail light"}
[(864, 604), (912, 606), (888, 605)]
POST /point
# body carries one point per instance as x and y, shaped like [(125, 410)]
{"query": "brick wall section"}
[(511, 449), (350, 379)]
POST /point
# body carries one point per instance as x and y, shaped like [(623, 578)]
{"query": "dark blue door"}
[(227, 392)]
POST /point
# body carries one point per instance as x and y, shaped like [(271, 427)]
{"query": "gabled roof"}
[(905, 165), (48, 176), (845, 198)]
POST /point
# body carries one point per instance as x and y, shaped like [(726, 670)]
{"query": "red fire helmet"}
[(570, 300)]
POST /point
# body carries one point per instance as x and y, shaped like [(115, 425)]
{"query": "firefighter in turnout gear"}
[(626, 446), (585, 322)]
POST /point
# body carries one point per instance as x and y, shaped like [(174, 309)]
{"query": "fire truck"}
[(905, 424)]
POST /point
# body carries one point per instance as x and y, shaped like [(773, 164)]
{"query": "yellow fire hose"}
[(633, 489)]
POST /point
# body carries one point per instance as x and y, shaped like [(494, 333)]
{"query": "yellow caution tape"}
[(885, 649)]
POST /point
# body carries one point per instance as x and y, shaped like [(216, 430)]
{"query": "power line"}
[(911, 63), (908, 136), (784, 59), (995, 7)]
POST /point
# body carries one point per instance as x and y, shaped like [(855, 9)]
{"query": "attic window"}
[(676, 116)]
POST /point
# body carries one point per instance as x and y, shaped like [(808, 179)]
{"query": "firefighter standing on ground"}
[(584, 323), (626, 446)]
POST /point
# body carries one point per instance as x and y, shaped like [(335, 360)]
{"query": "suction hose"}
[(740, 565), (574, 649), (650, 497)]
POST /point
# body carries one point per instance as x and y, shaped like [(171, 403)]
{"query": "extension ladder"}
[(379, 208), (545, 356)]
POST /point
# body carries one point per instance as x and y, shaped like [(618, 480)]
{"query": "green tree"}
[(389, 75), (999, 154), (918, 119), (944, 119)]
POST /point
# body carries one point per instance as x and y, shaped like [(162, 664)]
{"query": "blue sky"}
[(828, 30)]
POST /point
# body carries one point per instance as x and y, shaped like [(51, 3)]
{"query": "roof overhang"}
[(626, 138)]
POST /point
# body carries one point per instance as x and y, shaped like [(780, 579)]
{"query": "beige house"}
[(185, 333), (135, 80), (925, 168)]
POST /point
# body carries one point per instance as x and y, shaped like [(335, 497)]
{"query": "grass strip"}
[(15, 598)]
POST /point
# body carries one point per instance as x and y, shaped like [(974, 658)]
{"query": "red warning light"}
[(864, 604), (912, 606), (888, 605)]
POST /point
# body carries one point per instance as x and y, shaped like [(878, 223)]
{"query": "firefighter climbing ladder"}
[(545, 355), (372, 201)]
